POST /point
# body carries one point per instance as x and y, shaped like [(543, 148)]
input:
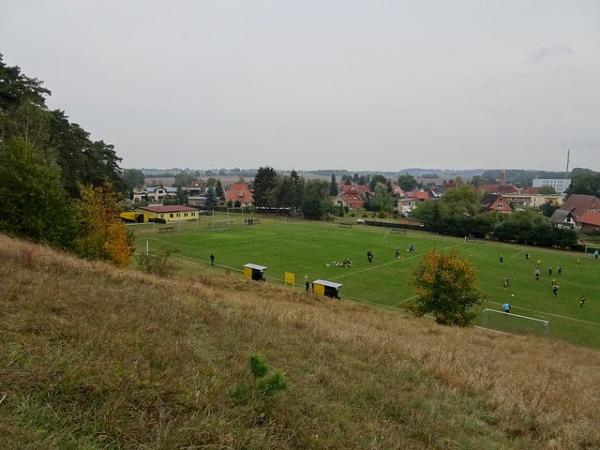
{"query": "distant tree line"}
[(57, 184)]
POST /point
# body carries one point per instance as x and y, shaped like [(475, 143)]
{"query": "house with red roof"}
[(360, 189), (411, 199), (499, 189), (575, 207), (351, 196), (170, 213), (589, 221), (495, 202), (239, 194)]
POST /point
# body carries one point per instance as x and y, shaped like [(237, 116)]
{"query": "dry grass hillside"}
[(96, 357)]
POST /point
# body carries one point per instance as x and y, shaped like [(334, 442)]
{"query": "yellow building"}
[(170, 213)]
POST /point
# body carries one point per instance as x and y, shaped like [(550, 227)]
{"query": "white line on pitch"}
[(404, 301), (554, 315), (490, 329)]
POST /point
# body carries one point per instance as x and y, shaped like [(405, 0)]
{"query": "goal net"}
[(513, 323), (224, 224), (592, 251)]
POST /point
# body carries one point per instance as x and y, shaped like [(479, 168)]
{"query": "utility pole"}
[(568, 161)]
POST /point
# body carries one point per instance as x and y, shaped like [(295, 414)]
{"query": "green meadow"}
[(312, 250)]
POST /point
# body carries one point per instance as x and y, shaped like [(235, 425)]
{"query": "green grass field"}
[(312, 248)]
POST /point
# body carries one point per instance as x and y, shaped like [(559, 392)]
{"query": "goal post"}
[(222, 224), (513, 323), (592, 250)]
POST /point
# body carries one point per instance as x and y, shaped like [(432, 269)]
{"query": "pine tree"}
[(211, 197), (333, 188), (219, 191)]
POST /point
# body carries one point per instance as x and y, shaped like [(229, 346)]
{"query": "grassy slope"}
[(94, 357), (304, 247)]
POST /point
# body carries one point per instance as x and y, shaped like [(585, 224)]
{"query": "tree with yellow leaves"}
[(445, 286), (102, 235)]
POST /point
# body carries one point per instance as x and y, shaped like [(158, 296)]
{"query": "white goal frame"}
[(221, 224), (592, 250), (544, 323)]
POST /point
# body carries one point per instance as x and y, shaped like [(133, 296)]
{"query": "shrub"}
[(157, 263), (261, 386)]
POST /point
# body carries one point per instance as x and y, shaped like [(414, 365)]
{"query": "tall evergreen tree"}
[(264, 184), (298, 188), (211, 197), (333, 188), (219, 191)]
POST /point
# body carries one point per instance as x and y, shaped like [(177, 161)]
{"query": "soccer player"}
[(370, 256), (555, 290), (506, 283), (501, 259), (550, 271), (212, 259), (582, 301), (537, 274), (554, 282), (559, 271), (397, 252), (539, 262), (596, 255), (527, 257), (506, 308)]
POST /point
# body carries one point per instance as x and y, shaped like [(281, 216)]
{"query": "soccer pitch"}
[(313, 249)]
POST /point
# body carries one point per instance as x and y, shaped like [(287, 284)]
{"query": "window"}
[(171, 215), (499, 206), (177, 214), (184, 214), (193, 214)]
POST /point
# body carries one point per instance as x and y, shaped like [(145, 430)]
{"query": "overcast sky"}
[(375, 85)]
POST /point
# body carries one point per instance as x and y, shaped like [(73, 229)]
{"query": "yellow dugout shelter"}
[(254, 272), (326, 288)]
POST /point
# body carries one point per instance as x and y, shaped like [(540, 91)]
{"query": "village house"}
[(351, 196), (411, 199), (239, 194), (574, 208), (589, 221), (495, 202), (154, 194)]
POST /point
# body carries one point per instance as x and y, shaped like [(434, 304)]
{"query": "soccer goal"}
[(224, 224), (592, 251), (513, 323)]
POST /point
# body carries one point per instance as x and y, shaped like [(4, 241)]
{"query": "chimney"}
[(503, 177)]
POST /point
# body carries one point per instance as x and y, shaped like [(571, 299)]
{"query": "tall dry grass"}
[(95, 356)]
